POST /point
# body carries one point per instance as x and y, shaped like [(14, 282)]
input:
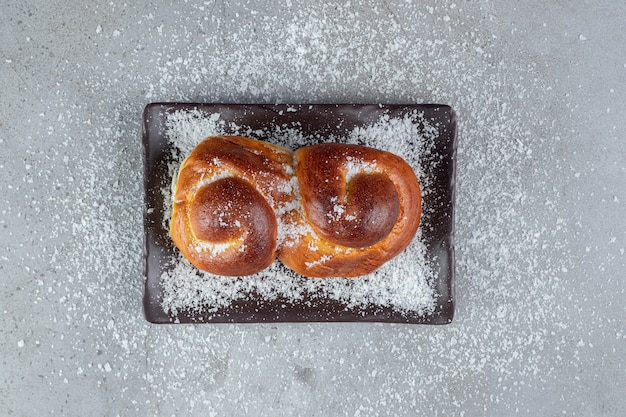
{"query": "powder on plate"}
[(406, 283)]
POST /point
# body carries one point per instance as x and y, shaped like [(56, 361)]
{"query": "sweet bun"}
[(227, 194), (362, 207), (328, 210)]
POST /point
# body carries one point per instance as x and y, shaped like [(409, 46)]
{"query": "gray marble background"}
[(540, 231)]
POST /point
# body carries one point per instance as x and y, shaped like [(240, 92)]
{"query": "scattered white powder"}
[(321, 260), (339, 209), (354, 167), (534, 274), (213, 178), (188, 128), (286, 187), (216, 248), (405, 283)]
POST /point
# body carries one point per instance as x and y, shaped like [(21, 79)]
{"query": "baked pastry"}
[(227, 196), (362, 207), (328, 210)]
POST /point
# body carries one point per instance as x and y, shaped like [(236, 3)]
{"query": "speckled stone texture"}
[(540, 232)]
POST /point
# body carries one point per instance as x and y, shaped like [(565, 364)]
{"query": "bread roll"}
[(227, 194), (363, 207), (328, 210)]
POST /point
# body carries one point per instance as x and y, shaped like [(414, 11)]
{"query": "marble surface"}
[(540, 227)]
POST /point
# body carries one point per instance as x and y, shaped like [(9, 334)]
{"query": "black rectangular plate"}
[(320, 119)]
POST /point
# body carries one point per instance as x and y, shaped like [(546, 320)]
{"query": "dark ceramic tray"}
[(321, 119)]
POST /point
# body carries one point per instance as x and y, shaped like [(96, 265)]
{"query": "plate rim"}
[(163, 107)]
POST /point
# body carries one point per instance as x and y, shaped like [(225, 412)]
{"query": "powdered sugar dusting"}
[(540, 231), (405, 284), (353, 167), (219, 248)]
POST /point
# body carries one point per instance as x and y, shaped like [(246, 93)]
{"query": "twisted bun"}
[(363, 207), (348, 208), (224, 212)]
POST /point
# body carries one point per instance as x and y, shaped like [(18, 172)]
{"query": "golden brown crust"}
[(236, 207), (224, 211), (371, 195), (344, 199)]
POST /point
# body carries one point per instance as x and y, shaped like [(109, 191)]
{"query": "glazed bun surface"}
[(362, 204), (225, 202), (328, 210)]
